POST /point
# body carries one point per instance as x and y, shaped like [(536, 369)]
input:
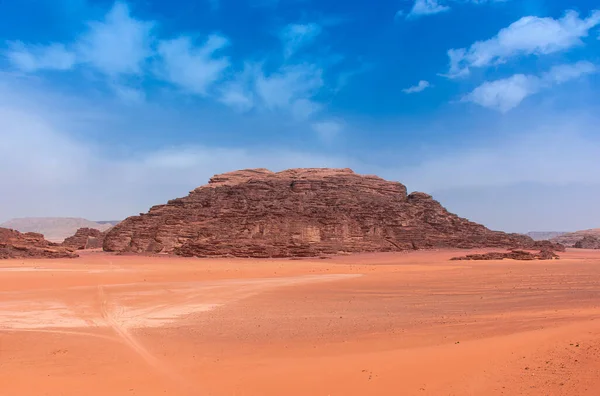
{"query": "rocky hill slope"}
[(54, 229), (572, 238), (14, 244), (588, 242), (85, 238), (300, 212)]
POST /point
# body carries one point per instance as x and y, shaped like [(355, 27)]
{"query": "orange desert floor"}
[(379, 324)]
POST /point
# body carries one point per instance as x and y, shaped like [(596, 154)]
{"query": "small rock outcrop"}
[(85, 238), (301, 213), (14, 244), (512, 255), (588, 242)]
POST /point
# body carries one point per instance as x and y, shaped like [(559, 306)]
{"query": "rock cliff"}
[(588, 242), (85, 238), (570, 239), (301, 213), (14, 244)]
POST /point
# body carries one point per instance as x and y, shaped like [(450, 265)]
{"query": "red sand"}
[(381, 324)]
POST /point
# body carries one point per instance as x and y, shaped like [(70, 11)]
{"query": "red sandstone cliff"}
[(85, 238), (300, 212), (14, 244)]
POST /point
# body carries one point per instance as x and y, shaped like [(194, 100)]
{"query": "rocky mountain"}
[(570, 239), (588, 242), (54, 229), (544, 235), (301, 212), (14, 244), (85, 238)]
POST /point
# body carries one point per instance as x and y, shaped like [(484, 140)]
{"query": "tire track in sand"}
[(129, 340)]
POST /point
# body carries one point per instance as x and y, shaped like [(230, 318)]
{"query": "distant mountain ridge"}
[(544, 235), (55, 229), (110, 222)]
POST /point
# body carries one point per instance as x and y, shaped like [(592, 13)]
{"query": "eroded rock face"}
[(85, 238), (570, 239), (300, 213), (588, 242), (512, 255), (14, 244)]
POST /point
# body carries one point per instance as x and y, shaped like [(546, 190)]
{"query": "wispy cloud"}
[(426, 7), (506, 94), (421, 86), (432, 7), (528, 36), (31, 58), (328, 130), (291, 87), (193, 68), (128, 52), (295, 36), (120, 44)]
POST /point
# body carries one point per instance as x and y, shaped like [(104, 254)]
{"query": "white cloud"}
[(506, 94), (431, 7), (563, 73), (127, 51), (528, 36), (426, 7), (118, 45), (290, 89), (31, 58), (193, 69), (282, 89), (421, 86), (297, 36), (328, 130)]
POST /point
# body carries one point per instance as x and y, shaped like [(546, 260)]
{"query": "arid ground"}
[(380, 324)]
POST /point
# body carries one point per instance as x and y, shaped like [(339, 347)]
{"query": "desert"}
[(380, 323), (299, 198), (300, 282)]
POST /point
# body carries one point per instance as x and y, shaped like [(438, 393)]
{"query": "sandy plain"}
[(377, 324)]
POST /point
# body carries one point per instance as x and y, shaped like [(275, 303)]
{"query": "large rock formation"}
[(14, 244), (85, 238), (301, 212), (588, 242)]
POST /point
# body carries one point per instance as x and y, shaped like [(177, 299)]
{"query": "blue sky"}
[(107, 108)]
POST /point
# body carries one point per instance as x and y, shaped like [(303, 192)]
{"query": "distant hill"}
[(572, 238), (109, 222), (544, 235), (54, 229)]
